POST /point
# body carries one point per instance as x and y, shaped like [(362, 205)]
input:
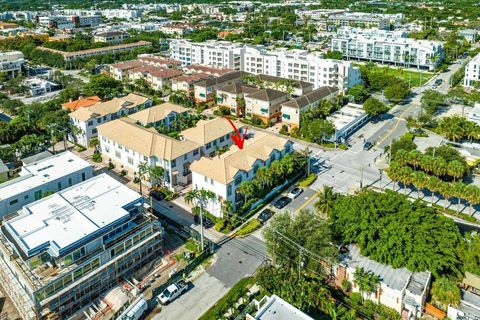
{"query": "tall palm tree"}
[(455, 169), (264, 176), (227, 209), (142, 173), (472, 193), (367, 281), (247, 189), (434, 184), (440, 167), (459, 190), (325, 200), (419, 180), (426, 163), (200, 197), (406, 177), (414, 158), (401, 156)]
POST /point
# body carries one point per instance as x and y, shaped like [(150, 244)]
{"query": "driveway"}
[(236, 259)]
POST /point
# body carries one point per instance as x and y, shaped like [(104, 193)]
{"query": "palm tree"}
[(419, 180), (440, 167), (247, 188), (367, 281), (426, 163), (394, 173), (434, 185), (401, 156), (414, 158), (227, 209), (446, 291), (156, 173), (142, 173), (406, 177), (472, 193), (200, 197), (459, 190), (455, 169), (264, 176), (325, 200)]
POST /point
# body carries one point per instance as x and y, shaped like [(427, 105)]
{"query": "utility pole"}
[(390, 153), (361, 177)]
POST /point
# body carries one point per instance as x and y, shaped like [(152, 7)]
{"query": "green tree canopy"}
[(374, 107)]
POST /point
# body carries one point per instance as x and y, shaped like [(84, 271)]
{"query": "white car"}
[(295, 193)]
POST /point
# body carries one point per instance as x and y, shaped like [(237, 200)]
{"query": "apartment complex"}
[(292, 110), (400, 289), (472, 73), (70, 56), (125, 142), (389, 47), (224, 174), (165, 114), (219, 54), (11, 62), (112, 37), (65, 250), (87, 119), (291, 64), (366, 20), (39, 178), (265, 104), (69, 21), (156, 78)]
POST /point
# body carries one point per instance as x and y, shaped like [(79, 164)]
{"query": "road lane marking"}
[(308, 201), (396, 125)]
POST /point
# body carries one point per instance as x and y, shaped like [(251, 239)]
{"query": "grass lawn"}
[(416, 78)]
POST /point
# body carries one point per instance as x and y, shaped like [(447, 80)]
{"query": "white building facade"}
[(472, 73), (388, 47), (11, 62), (41, 178)]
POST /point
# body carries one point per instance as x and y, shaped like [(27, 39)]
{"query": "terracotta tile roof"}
[(81, 103), (157, 72), (108, 107), (191, 77), (157, 113), (208, 130), (224, 167), (205, 69), (311, 97), (159, 60), (127, 65), (146, 141)]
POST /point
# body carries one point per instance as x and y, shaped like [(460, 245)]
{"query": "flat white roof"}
[(59, 222), (346, 115), (275, 308), (42, 172)]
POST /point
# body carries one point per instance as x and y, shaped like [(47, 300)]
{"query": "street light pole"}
[(201, 226)]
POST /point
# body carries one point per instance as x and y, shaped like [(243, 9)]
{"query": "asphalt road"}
[(236, 259)]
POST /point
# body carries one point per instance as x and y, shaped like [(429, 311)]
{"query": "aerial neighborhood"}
[(236, 160)]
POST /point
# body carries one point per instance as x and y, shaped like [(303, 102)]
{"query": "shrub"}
[(220, 225), (284, 130), (97, 157), (80, 148), (136, 180), (308, 180), (249, 227), (123, 173), (111, 165)]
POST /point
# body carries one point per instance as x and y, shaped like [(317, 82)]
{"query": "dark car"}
[(157, 195), (265, 215), (438, 82), (367, 146), (282, 202)]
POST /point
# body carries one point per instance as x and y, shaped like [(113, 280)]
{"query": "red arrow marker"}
[(238, 138)]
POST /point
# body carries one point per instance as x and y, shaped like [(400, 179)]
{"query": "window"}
[(38, 195), (195, 152), (13, 202), (238, 180), (222, 139), (118, 154), (90, 123), (185, 156), (209, 145), (59, 186), (130, 160), (83, 176), (174, 163), (229, 190)]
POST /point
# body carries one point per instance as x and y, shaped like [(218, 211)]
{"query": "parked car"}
[(172, 292), (282, 202), (367, 146), (265, 215), (438, 82), (157, 195), (295, 193)]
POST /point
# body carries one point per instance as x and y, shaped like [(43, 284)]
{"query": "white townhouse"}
[(218, 54), (119, 71), (39, 178), (292, 110), (230, 97), (400, 289), (388, 47), (87, 119), (212, 134), (265, 104), (224, 174), (156, 78), (163, 114), (472, 73), (127, 145)]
